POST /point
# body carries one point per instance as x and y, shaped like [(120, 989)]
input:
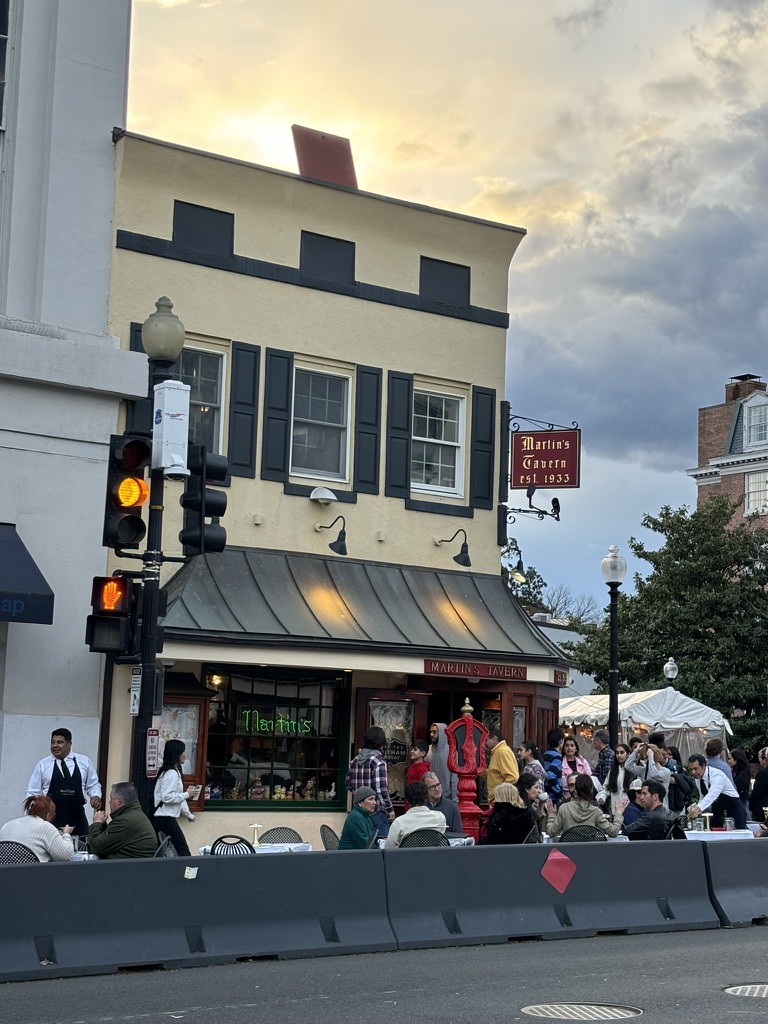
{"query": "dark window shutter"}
[(399, 416), (278, 391), (243, 402), (202, 229), (367, 429), (444, 282), (482, 448), (329, 259), (138, 414)]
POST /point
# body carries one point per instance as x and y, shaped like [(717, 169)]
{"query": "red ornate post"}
[(466, 757)]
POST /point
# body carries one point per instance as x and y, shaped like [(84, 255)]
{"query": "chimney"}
[(742, 385)]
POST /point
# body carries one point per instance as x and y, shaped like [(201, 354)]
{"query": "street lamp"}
[(671, 670), (614, 569), (162, 335)]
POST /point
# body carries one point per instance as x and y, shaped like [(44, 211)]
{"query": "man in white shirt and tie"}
[(68, 779), (716, 793)]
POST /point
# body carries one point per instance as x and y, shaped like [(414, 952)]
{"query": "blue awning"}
[(24, 593)]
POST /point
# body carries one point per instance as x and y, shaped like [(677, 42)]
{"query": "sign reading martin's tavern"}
[(435, 667), (545, 458)]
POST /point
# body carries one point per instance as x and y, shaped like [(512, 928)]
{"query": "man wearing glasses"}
[(437, 802)]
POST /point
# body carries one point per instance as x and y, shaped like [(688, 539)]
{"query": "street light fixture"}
[(162, 335), (671, 670), (614, 569)]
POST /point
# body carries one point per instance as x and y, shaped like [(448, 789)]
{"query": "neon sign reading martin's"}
[(253, 721)]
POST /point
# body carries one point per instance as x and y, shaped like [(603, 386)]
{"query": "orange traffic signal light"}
[(113, 627), (127, 491)]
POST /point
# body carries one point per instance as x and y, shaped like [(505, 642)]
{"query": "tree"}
[(704, 603), (531, 592), (575, 609)]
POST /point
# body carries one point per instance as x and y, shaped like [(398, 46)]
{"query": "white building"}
[(63, 80)]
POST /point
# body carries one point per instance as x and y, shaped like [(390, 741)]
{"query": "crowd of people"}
[(640, 789), (61, 785)]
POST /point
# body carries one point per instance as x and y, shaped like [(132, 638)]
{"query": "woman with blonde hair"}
[(511, 819)]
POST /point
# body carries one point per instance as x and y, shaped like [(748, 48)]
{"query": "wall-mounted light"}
[(463, 556), (323, 496), (338, 546), (517, 573)]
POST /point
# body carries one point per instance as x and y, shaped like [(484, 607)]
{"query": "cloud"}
[(582, 21)]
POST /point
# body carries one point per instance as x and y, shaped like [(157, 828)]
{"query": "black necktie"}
[(65, 769)]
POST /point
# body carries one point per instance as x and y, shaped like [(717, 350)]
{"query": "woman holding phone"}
[(170, 795)]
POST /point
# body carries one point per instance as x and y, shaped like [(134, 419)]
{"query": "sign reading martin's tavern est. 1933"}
[(545, 458)]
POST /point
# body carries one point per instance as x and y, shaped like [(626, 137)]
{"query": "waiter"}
[(68, 779)]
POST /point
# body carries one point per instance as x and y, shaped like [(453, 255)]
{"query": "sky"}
[(630, 139)]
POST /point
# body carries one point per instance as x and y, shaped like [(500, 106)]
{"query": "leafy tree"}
[(704, 602)]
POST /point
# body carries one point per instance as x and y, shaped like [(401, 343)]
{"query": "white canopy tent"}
[(686, 723)]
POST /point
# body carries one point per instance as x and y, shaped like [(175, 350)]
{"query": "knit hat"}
[(362, 793)]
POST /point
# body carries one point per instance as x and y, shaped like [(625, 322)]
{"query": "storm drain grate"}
[(581, 1011), (761, 991)]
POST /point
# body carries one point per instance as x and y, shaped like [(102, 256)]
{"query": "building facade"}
[(733, 447), (63, 71), (346, 351)]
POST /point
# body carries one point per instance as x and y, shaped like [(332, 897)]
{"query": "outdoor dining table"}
[(716, 836), (205, 851)]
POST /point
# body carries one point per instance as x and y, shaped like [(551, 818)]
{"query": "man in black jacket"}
[(437, 802), (657, 820)]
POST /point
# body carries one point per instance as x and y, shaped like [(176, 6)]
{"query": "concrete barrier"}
[(64, 920), (457, 897), (738, 880)]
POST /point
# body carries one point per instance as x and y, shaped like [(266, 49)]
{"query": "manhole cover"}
[(761, 991), (581, 1011)]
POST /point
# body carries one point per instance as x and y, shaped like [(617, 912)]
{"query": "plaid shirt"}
[(604, 761), (370, 769)]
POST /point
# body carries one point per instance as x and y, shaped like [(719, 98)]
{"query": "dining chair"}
[(230, 845), (280, 834), (17, 853), (329, 838), (583, 834), (423, 837), (165, 846)]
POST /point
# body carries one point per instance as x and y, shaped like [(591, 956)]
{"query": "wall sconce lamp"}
[(517, 572), (323, 496), (338, 546), (463, 556)]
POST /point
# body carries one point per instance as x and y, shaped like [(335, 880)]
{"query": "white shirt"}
[(40, 780), (718, 784), (413, 819), (169, 794)]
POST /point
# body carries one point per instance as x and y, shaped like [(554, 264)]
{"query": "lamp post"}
[(614, 569), (670, 671), (162, 335)]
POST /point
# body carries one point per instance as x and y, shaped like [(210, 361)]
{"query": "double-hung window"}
[(756, 497), (756, 432), (437, 447), (320, 426), (203, 372)]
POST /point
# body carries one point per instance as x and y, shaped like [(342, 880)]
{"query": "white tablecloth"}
[(615, 839), (714, 837), (204, 851)]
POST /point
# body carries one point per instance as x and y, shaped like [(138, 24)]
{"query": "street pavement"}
[(674, 978)]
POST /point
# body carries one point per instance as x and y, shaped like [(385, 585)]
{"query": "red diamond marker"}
[(558, 870)]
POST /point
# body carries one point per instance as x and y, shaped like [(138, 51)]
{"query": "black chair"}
[(423, 837), (532, 837), (675, 830), (371, 844), (226, 846), (583, 834), (17, 853), (281, 834), (165, 846), (329, 838)]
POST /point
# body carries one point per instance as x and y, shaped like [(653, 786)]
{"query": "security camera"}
[(323, 496), (176, 473)]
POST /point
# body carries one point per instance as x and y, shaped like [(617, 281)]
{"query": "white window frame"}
[(756, 492), (751, 407), (218, 427), (457, 491), (313, 474)]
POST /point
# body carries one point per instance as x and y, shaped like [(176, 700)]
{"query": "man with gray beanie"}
[(358, 828)]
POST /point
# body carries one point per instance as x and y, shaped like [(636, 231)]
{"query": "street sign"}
[(153, 752), (135, 690)]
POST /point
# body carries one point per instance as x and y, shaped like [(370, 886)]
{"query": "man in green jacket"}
[(129, 832), (358, 828)]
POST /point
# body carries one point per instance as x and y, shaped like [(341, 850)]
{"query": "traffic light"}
[(200, 502), (113, 626), (127, 491)]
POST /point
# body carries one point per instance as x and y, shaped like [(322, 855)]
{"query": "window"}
[(444, 282), (203, 372), (202, 229), (756, 424), (756, 498), (319, 430), (437, 446), (277, 735), (329, 259), (3, 52)]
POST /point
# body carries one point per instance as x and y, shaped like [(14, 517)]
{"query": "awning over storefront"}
[(262, 597), (24, 593)]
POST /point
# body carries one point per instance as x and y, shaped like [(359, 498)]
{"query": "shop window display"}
[(277, 735)]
